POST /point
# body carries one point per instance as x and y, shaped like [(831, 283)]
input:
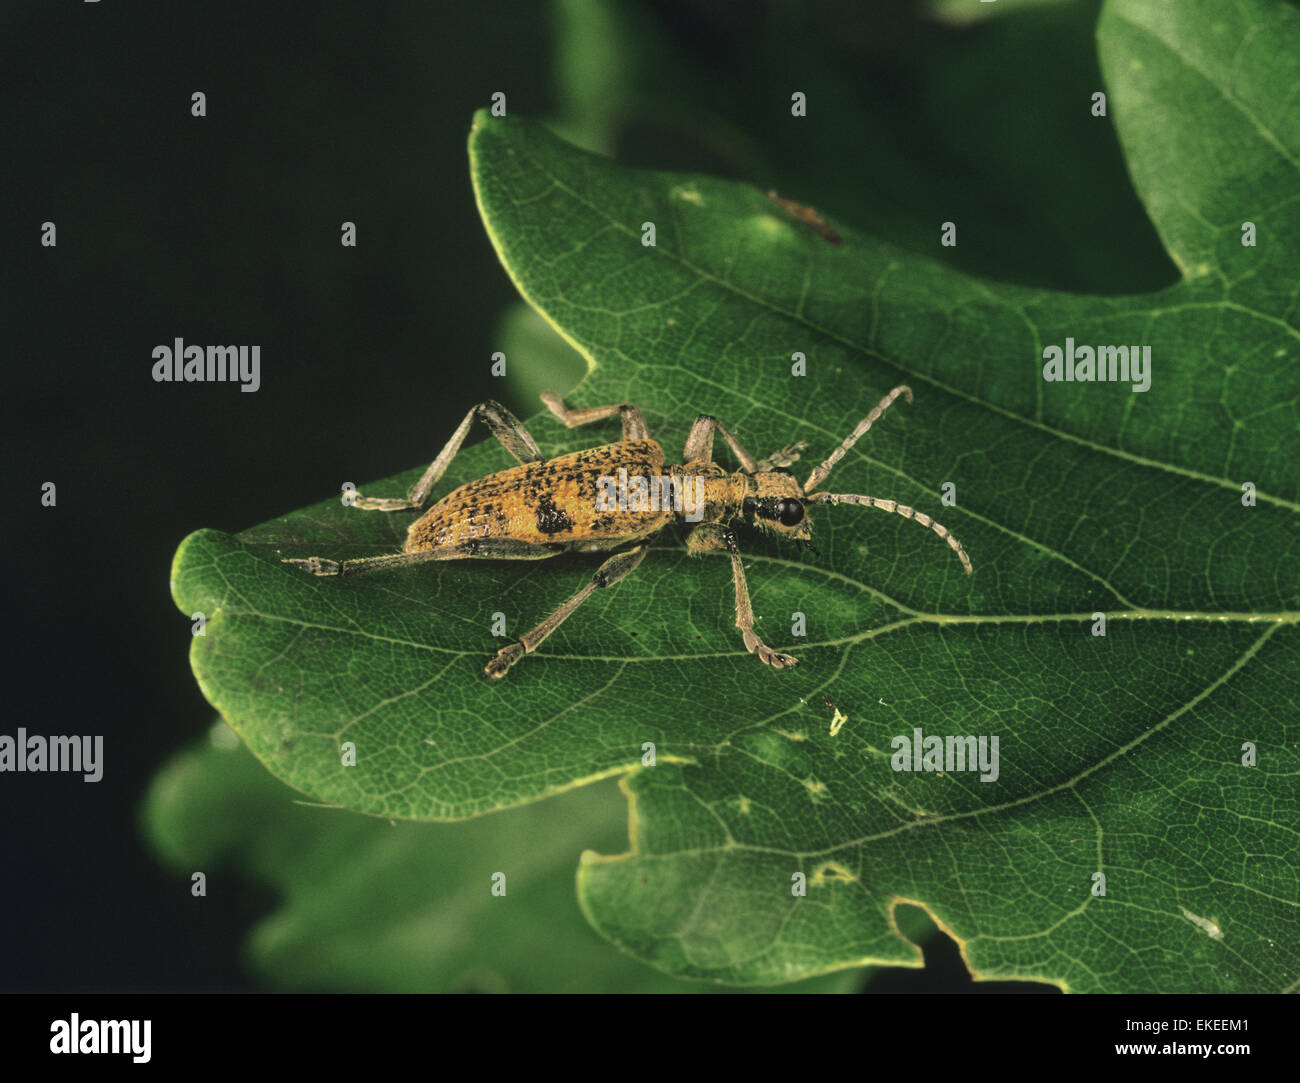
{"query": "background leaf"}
[(435, 926), (1120, 754), (912, 122)]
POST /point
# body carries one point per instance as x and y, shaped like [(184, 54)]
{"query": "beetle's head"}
[(776, 505)]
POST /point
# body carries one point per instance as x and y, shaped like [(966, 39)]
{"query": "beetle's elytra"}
[(613, 498)]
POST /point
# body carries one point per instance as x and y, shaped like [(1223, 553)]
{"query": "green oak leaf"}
[(1120, 754), (371, 906)]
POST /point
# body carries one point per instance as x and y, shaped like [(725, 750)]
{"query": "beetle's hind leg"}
[(321, 566), (507, 428), (609, 573), (490, 548), (634, 426)]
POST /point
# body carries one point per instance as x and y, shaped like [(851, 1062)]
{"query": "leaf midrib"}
[(914, 617)]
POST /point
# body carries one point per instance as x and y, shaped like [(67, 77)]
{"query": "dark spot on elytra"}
[(550, 519)]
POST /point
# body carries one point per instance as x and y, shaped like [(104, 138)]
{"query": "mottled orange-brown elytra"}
[(547, 506), (544, 503)]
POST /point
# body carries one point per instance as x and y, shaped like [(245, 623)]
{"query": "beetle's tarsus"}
[(766, 655), (383, 503), (785, 457), (506, 657), (315, 565)]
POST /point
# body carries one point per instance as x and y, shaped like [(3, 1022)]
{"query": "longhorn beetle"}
[(543, 507)]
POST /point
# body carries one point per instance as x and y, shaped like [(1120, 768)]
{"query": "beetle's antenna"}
[(804, 543), (899, 509), (819, 475)]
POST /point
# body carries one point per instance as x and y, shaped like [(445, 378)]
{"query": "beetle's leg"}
[(785, 457), (634, 426), (899, 509), (699, 443), (819, 475), (495, 548), (321, 566), (710, 537), (609, 573), (507, 428)]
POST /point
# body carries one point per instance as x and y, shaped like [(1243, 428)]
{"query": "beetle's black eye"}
[(789, 512)]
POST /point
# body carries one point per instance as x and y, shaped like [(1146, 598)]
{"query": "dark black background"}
[(226, 229)]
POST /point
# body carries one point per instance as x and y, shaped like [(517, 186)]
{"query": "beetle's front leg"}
[(786, 456), (711, 537)]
